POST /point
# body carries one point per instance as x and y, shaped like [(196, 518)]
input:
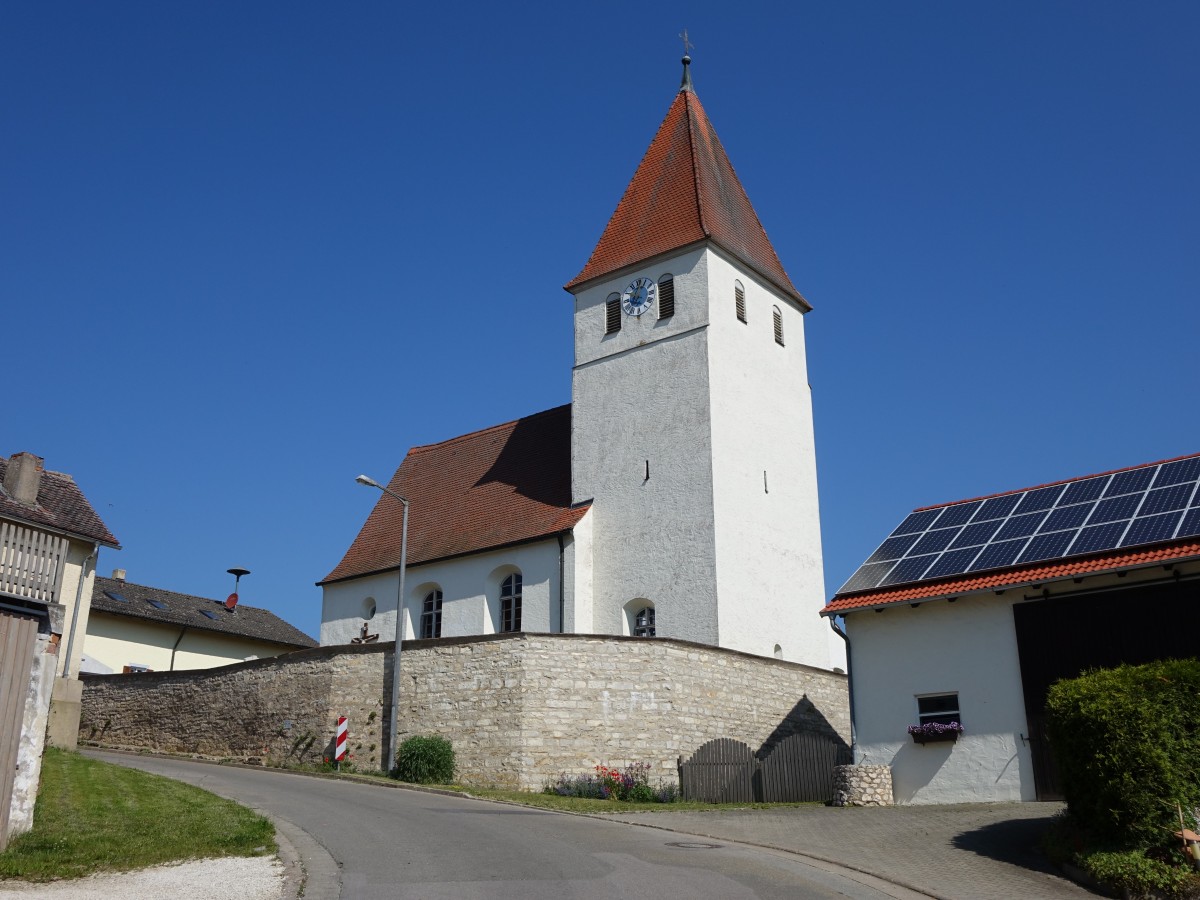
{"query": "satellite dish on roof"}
[(237, 572)]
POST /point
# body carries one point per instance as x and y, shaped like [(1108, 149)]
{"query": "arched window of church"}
[(431, 615), (666, 296), (510, 603), (643, 622), (739, 300), (778, 327), (612, 314)]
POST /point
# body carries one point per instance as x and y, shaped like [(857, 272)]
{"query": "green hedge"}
[(425, 760), (1125, 741)]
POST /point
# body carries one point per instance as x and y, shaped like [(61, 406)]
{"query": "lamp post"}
[(392, 744)]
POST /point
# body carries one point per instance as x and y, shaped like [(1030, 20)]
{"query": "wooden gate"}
[(18, 636), (721, 771), (799, 769)]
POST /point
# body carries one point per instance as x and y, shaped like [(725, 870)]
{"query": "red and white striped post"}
[(341, 743)]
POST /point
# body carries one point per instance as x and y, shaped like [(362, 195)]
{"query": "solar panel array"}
[(1144, 505)]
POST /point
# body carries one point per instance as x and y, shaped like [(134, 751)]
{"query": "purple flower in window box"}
[(931, 732)]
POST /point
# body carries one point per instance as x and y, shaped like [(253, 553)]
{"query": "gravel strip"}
[(231, 878)]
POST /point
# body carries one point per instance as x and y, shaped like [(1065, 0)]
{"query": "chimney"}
[(23, 478), (118, 574)]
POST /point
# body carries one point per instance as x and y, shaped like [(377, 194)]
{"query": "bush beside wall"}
[(1125, 742)]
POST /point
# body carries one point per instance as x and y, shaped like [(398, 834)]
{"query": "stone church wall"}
[(519, 709)]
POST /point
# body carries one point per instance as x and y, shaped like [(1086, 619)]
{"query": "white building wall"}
[(968, 647), (119, 641), (768, 529), (640, 398), (470, 587), (73, 570)]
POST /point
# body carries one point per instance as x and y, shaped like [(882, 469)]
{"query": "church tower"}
[(691, 428)]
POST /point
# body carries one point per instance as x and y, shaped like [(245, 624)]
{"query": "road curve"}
[(401, 844)]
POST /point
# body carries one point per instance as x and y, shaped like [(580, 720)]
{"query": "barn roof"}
[(1109, 522)]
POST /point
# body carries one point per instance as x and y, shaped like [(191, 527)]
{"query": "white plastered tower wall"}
[(640, 403), (770, 584), (705, 404)]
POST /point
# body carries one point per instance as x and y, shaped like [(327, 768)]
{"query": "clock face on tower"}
[(638, 297)]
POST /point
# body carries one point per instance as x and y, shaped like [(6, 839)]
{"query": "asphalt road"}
[(401, 844)]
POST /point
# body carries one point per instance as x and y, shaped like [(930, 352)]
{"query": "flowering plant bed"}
[(932, 732)]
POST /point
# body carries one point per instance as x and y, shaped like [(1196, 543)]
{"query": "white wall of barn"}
[(968, 647)]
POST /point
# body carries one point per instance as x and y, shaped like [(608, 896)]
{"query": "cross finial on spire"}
[(686, 83)]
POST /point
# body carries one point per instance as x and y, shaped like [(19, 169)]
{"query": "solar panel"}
[(1144, 505), (113, 595)]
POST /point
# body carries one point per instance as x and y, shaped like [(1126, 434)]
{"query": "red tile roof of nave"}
[(503, 485), (1038, 487), (1036, 573), (684, 191)]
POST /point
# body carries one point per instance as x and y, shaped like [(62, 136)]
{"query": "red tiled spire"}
[(685, 190)]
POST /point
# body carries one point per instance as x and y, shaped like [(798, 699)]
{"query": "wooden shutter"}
[(612, 315), (666, 297)]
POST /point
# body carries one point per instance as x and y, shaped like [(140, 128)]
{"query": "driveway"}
[(974, 851)]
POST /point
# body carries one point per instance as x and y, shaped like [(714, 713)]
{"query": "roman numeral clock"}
[(638, 297)]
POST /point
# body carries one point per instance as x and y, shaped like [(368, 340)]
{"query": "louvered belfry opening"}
[(739, 300), (612, 314), (666, 297), (778, 327)]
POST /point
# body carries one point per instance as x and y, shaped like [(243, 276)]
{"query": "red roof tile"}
[(60, 505), (503, 485), (684, 191), (1031, 574)]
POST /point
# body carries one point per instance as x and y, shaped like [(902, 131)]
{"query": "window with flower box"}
[(940, 709)]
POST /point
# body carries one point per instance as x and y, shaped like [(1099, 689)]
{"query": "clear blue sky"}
[(250, 250)]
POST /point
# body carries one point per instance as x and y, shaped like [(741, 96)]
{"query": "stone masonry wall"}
[(862, 786), (519, 709), (275, 711)]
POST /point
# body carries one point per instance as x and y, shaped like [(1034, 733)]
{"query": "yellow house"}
[(135, 628)]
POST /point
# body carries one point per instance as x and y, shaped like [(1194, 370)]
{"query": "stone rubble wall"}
[(862, 786), (519, 709)]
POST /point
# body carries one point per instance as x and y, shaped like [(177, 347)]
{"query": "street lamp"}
[(393, 718)]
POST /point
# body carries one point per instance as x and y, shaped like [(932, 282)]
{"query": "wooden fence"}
[(798, 769), (18, 635)]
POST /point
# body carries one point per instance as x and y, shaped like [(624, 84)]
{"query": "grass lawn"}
[(95, 817)]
